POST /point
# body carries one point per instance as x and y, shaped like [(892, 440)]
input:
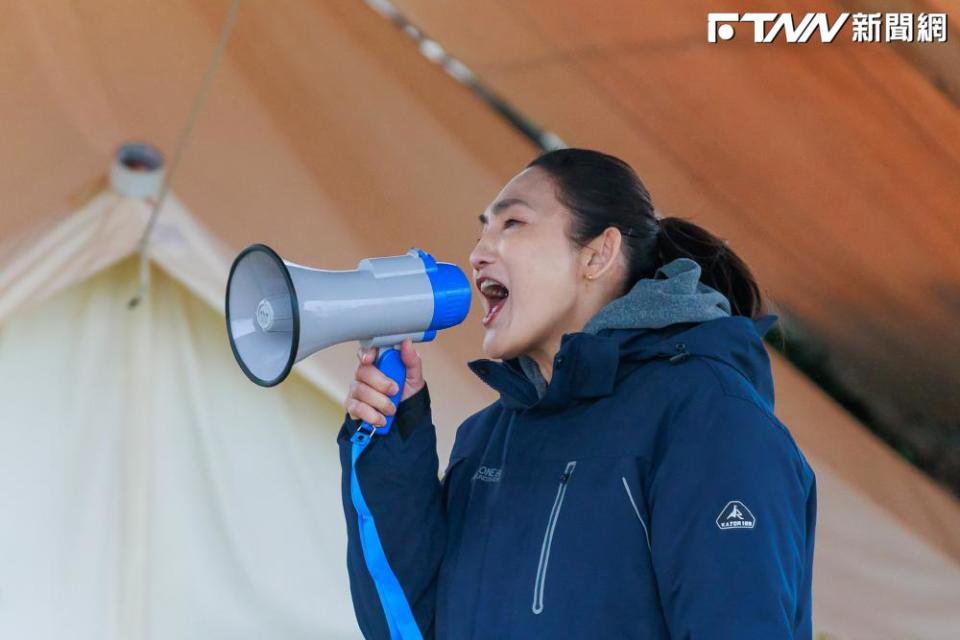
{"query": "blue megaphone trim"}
[(451, 292)]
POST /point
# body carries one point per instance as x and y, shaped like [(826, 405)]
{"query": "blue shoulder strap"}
[(400, 618)]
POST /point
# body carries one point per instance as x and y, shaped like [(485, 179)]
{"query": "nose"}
[(483, 253)]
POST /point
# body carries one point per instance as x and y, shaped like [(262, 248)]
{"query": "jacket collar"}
[(589, 365)]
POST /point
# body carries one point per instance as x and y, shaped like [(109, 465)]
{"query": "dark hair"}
[(603, 191)]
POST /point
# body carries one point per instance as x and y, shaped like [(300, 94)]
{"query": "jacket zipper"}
[(541, 578)]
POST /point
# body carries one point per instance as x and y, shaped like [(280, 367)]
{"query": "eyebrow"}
[(500, 205)]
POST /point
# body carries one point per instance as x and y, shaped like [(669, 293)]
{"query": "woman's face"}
[(526, 268)]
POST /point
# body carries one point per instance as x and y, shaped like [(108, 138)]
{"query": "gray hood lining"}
[(674, 294)]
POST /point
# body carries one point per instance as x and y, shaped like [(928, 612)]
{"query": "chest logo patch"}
[(736, 515), (488, 474)]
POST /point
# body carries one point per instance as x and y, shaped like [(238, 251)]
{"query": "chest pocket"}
[(595, 532), (636, 510), (551, 527)]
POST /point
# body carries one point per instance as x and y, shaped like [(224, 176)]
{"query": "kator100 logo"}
[(864, 27)]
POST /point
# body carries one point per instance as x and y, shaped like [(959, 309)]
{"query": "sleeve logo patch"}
[(736, 516)]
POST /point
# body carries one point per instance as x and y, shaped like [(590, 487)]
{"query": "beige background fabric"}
[(831, 167)]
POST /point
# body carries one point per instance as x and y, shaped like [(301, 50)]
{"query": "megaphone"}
[(278, 312)]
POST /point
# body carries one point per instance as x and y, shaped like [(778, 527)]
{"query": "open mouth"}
[(496, 294)]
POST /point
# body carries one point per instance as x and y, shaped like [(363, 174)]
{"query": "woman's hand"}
[(370, 391)]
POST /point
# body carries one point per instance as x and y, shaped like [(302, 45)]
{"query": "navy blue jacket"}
[(650, 493)]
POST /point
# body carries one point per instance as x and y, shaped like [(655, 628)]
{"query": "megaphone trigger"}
[(391, 364)]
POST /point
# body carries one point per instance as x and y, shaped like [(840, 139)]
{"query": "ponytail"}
[(720, 267)]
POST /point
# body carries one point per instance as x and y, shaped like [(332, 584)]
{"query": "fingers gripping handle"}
[(391, 364)]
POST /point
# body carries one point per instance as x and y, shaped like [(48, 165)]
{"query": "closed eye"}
[(509, 222)]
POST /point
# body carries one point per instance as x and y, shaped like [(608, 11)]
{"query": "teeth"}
[(493, 289)]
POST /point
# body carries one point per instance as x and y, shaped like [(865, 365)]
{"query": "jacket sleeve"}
[(398, 476), (732, 510)]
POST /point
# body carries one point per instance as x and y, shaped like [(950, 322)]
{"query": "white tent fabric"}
[(150, 490), (107, 229)]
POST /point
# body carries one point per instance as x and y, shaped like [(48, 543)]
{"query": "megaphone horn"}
[(278, 312)]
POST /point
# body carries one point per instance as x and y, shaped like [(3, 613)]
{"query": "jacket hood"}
[(674, 294), (672, 315)]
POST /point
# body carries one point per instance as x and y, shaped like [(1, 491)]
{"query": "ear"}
[(600, 254)]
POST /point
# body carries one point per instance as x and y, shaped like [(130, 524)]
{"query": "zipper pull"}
[(564, 477)]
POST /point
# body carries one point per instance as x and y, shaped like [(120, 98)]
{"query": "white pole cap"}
[(137, 170)]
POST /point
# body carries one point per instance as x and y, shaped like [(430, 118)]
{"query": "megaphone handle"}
[(391, 364)]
